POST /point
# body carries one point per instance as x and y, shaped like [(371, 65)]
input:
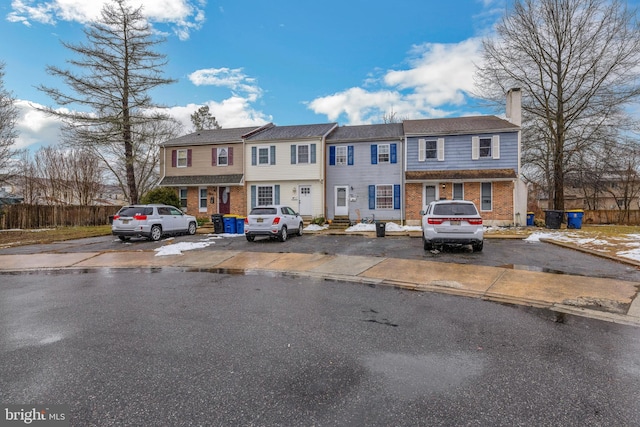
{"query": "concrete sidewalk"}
[(605, 299)]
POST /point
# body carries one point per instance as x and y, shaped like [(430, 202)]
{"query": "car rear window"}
[(455, 209), (135, 210), (263, 211)]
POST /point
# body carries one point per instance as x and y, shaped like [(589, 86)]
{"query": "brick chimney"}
[(514, 106)]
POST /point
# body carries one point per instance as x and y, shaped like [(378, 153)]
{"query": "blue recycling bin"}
[(574, 218), (240, 225), (530, 218), (229, 224)]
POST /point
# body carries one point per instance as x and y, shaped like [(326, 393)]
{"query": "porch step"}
[(340, 223)]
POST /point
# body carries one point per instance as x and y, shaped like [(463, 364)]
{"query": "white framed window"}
[(223, 156), (384, 153), (458, 191), (182, 157), (485, 147), (263, 155), (486, 196), (182, 192), (303, 154), (265, 195), (202, 191), (341, 155), (384, 196)]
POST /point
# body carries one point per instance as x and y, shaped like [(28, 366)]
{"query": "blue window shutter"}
[(272, 150), (313, 153), (332, 155), (276, 194), (253, 196), (254, 156), (394, 153), (374, 154), (396, 196), (350, 155), (372, 196), (293, 154)]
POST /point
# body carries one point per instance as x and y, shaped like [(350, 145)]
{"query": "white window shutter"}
[(440, 149), (422, 148), (495, 149), (475, 147)]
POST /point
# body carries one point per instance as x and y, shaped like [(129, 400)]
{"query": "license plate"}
[(125, 221), (455, 222), (259, 220)]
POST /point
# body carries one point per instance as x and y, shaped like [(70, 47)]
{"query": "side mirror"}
[(422, 213)]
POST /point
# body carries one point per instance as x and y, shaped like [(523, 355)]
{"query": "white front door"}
[(342, 200), (305, 200)]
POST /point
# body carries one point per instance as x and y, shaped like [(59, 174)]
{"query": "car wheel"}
[(283, 233), (426, 245), (300, 228), (192, 228), (156, 233), (249, 237), (477, 247), (124, 238)]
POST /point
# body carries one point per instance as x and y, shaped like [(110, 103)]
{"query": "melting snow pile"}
[(178, 248)]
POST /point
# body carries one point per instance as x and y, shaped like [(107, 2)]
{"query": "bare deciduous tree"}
[(117, 68), (578, 64), (8, 134)]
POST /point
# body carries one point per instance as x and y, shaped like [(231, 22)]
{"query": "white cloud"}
[(35, 127), (231, 78), (183, 15), (439, 76)]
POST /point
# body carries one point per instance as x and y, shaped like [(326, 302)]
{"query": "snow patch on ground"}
[(178, 248), (389, 226)]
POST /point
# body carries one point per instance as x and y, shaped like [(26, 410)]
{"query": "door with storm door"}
[(341, 200)]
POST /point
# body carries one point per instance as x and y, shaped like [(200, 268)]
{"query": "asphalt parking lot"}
[(505, 253)]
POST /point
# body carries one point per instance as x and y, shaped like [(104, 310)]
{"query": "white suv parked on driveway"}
[(452, 222), (275, 221), (152, 222)]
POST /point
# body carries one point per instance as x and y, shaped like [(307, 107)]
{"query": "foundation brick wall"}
[(502, 209)]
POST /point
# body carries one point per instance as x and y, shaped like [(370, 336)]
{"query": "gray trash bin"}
[(380, 228)]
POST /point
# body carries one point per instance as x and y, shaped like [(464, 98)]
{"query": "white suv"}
[(452, 222), (152, 222), (275, 221)]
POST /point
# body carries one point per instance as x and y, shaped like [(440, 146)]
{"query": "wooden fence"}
[(39, 216)]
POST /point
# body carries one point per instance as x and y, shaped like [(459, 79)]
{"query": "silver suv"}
[(275, 221), (452, 222), (152, 222)]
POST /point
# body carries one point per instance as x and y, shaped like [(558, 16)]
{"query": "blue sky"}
[(283, 61)]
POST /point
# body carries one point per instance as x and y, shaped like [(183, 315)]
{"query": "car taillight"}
[(116, 217), (435, 220), (246, 221), (475, 221), (276, 220), (140, 217)]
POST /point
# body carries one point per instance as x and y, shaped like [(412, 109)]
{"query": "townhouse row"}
[(387, 171)]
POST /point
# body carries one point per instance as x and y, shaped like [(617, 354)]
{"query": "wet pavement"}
[(603, 298)]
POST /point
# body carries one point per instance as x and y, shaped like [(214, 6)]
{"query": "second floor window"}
[(341, 155), (303, 154), (485, 147), (383, 153), (223, 157), (182, 158), (263, 155)]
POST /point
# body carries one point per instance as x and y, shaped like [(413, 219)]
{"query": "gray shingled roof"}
[(212, 136), (367, 133), (474, 174), (457, 125), (293, 132), (174, 181)]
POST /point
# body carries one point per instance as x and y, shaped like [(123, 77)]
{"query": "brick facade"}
[(502, 200), (238, 201)]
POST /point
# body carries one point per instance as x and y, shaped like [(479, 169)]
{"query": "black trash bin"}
[(218, 223), (553, 219), (380, 228)]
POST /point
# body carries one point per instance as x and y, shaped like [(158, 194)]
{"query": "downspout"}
[(403, 190)]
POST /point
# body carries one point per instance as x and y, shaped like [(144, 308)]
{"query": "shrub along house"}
[(472, 158), (364, 173), (285, 165), (207, 170)]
